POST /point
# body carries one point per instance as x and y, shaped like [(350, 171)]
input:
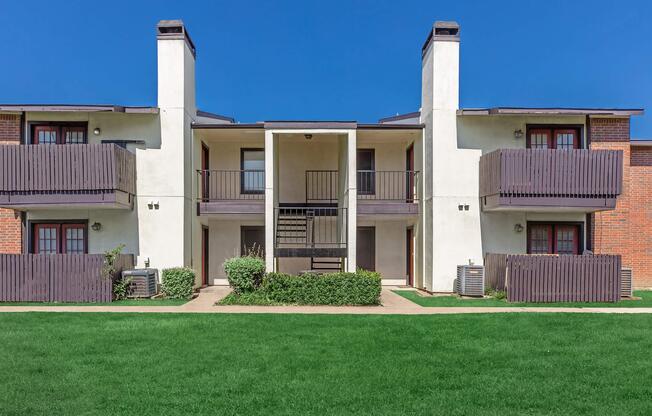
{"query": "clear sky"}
[(346, 60)]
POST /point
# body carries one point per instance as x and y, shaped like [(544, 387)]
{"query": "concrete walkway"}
[(392, 304)]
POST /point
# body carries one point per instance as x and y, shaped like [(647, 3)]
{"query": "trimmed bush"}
[(360, 288), (245, 274), (178, 282)]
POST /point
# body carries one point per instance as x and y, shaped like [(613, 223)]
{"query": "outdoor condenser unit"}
[(626, 289), (143, 282), (470, 280)]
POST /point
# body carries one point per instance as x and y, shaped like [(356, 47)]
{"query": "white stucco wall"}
[(224, 243)]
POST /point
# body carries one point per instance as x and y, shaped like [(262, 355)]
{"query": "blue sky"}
[(333, 59)]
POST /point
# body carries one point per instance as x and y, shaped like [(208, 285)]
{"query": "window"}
[(59, 238), (366, 172), (553, 138), (556, 238), (252, 164), (59, 133)]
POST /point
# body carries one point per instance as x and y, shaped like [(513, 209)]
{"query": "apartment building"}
[(410, 196)]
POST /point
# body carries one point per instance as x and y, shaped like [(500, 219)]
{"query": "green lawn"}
[(124, 302), (178, 364), (445, 301)]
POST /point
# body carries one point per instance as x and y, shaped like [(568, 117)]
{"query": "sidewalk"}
[(392, 304)]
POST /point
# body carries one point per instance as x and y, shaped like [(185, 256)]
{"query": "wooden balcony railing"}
[(590, 179), (66, 174)]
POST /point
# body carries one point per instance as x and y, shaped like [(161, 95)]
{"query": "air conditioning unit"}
[(143, 282), (470, 280), (626, 287)]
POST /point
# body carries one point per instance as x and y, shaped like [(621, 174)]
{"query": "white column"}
[(269, 200), (351, 200)]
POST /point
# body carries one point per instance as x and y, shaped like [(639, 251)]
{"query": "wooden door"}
[(205, 175), (409, 167), (540, 139), (45, 135), (409, 255), (204, 256), (366, 248)]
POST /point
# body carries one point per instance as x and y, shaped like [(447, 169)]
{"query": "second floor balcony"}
[(70, 175), (243, 191), (533, 179)]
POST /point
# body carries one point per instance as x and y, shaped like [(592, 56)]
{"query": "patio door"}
[(409, 179), (252, 240), (553, 138), (366, 248), (205, 175), (204, 256), (59, 238), (554, 238), (409, 255)]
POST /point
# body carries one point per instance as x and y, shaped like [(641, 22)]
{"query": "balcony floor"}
[(95, 200)]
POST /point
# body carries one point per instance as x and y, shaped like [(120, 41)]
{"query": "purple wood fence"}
[(552, 173), (553, 278), (67, 168), (57, 277)]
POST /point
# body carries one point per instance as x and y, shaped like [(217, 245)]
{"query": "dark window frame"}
[(243, 150), (554, 224), (33, 239), (367, 174), (60, 125), (579, 128)]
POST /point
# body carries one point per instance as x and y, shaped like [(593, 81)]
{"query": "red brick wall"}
[(10, 224), (640, 216), (609, 129), (626, 230)]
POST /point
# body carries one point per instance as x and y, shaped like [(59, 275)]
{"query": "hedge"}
[(360, 288), (245, 273), (178, 282)]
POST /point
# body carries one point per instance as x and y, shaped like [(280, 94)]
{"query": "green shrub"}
[(360, 288), (257, 297), (245, 274), (178, 282), (121, 288)]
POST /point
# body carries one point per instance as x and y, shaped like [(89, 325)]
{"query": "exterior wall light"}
[(97, 131), (96, 226), (518, 133), (518, 228), (308, 136)]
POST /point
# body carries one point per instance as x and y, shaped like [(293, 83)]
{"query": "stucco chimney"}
[(176, 66), (440, 67)]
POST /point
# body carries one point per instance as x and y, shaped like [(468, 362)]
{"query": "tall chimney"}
[(165, 172), (176, 66), (440, 63), (450, 236)]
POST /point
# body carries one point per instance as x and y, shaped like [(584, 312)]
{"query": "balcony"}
[(79, 175), (572, 180), (310, 232), (379, 192), (231, 191)]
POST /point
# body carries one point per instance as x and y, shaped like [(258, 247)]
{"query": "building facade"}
[(410, 196)]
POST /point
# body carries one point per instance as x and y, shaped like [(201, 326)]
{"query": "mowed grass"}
[(123, 302), (178, 364), (645, 301)]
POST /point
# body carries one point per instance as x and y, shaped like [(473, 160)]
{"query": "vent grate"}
[(626, 287), (470, 280)]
